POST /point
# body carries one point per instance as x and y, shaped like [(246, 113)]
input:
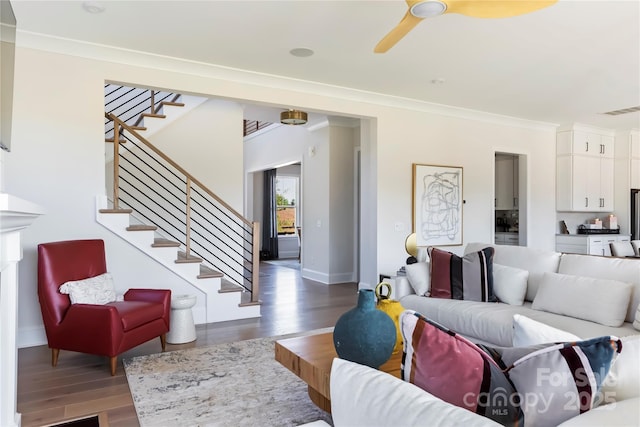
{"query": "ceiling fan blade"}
[(495, 8), (402, 29)]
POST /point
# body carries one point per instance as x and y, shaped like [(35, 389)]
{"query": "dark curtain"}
[(269, 217)]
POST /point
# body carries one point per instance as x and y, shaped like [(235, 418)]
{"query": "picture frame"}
[(437, 204)]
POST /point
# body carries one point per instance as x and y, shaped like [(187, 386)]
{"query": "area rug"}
[(235, 384)]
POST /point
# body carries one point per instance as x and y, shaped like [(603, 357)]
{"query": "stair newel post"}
[(255, 260), (116, 161), (188, 222)]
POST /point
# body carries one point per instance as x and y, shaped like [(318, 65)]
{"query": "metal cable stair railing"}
[(163, 193), (132, 104)]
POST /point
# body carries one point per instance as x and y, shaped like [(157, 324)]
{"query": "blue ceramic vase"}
[(365, 334)]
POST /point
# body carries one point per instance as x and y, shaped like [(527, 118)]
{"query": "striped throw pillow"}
[(464, 278), (556, 382), (455, 370)]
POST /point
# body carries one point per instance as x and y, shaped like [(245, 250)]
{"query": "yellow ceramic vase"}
[(392, 308)]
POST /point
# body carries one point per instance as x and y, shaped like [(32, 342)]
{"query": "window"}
[(286, 204)]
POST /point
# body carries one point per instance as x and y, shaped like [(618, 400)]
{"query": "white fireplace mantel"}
[(15, 215)]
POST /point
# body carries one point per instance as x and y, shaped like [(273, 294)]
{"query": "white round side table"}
[(182, 328)]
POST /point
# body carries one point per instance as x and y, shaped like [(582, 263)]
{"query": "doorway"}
[(510, 199)]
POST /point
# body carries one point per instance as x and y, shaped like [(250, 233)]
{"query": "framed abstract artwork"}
[(437, 205)]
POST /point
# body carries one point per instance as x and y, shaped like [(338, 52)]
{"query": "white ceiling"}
[(567, 63)]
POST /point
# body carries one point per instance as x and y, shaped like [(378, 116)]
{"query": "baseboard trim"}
[(327, 279)]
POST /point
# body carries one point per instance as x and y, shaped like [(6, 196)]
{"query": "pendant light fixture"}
[(293, 117)]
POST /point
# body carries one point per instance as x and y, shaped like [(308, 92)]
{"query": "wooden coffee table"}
[(310, 358)]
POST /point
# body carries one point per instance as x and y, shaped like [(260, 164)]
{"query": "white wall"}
[(406, 137), (209, 141), (341, 203), (58, 153)]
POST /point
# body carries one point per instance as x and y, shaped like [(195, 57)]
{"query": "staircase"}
[(224, 300), (169, 215)]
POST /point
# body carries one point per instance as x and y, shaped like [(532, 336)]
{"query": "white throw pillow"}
[(636, 322), (510, 284), (623, 381), (598, 300), (419, 276), (93, 290), (528, 332)]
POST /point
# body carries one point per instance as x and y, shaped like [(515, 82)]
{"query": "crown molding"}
[(65, 46)]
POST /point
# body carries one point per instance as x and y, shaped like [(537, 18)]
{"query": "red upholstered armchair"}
[(105, 330)]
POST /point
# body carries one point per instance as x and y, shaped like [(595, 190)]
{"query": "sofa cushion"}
[(609, 268), (92, 290), (597, 300), (559, 381), (419, 277), (510, 284), (623, 381), (455, 370), (528, 332), (363, 397), (535, 261), (492, 323), (636, 322), (467, 278), (619, 414)]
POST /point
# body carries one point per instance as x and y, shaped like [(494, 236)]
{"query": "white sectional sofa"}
[(362, 396), (492, 323)]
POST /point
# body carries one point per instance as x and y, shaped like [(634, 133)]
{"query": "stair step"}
[(245, 300), (227, 286), (174, 104), (142, 227), (184, 259), (110, 140), (164, 243), (249, 303), (159, 116), (206, 272), (138, 128), (116, 211)]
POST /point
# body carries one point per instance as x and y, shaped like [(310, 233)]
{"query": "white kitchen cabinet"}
[(591, 244), (506, 183), (585, 143), (584, 175)]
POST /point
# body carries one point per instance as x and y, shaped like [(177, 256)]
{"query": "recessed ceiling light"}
[(437, 81), (93, 7), (301, 52)]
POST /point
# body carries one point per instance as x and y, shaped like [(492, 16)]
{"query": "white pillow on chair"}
[(93, 290)]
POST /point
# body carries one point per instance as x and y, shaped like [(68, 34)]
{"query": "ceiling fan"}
[(421, 9)]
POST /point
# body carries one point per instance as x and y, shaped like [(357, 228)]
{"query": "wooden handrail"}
[(178, 167)]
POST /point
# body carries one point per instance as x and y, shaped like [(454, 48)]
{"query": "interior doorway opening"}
[(510, 199)]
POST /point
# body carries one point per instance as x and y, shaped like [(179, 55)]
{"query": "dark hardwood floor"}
[(81, 384)]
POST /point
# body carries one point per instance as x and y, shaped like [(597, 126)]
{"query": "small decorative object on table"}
[(365, 334), (393, 308)]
